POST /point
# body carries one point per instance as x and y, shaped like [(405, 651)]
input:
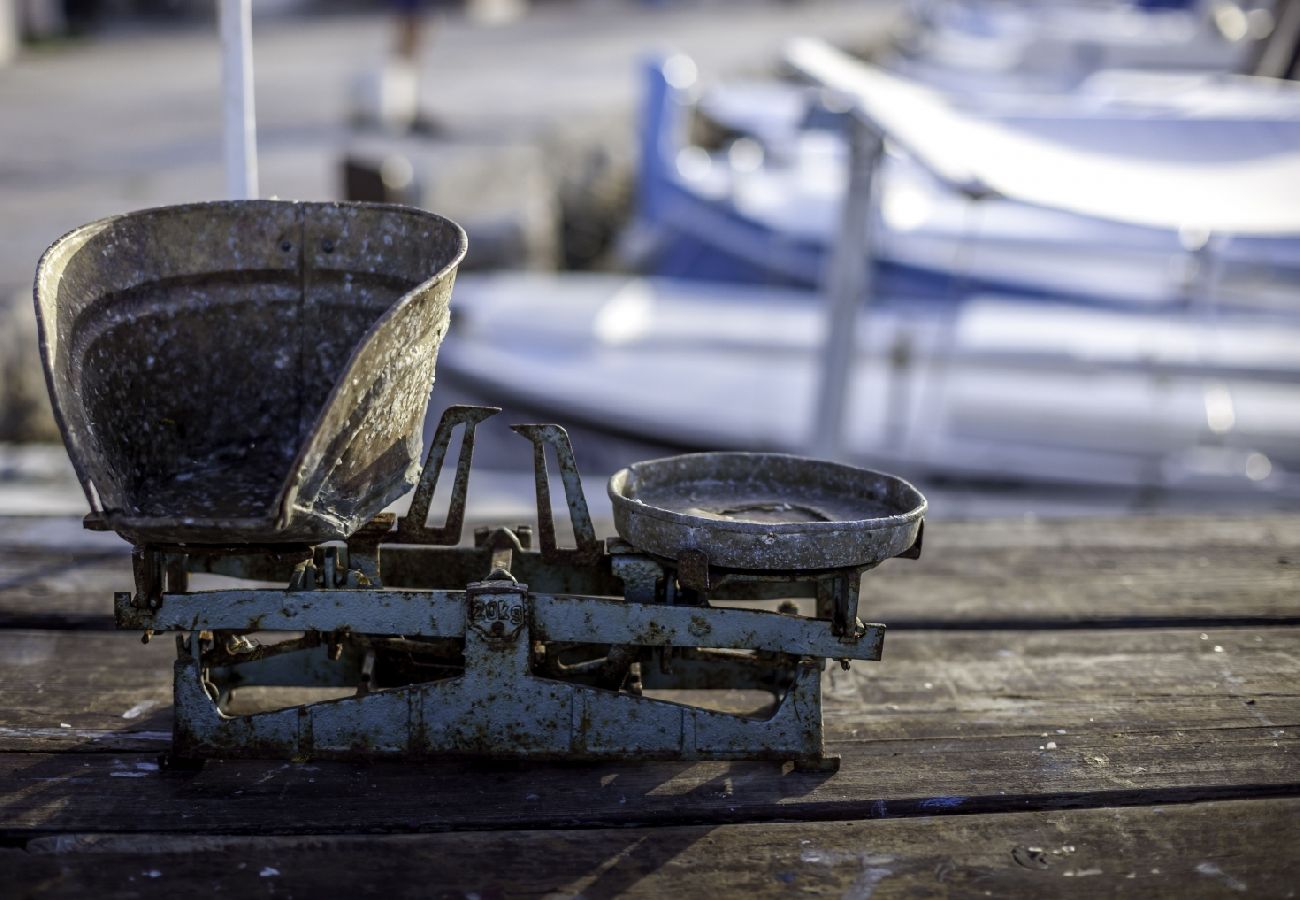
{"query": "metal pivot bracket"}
[(587, 548), (413, 528), (836, 590), (155, 570)]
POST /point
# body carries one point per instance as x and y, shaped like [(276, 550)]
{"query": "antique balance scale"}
[(241, 386)]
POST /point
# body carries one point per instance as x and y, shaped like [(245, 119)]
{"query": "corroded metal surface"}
[(414, 526), (249, 371), (584, 533), (448, 651), (764, 511), (497, 707), (590, 620)]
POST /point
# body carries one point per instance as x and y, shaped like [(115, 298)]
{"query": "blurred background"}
[(1043, 258)]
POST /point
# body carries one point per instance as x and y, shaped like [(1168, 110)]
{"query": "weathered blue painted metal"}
[(452, 665), (498, 708)]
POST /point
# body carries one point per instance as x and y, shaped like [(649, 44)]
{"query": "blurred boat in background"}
[(994, 388), (981, 45), (1092, 286), (1138, 189)]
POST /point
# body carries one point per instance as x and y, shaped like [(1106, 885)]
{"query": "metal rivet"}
[(327, 245), (286, 246)]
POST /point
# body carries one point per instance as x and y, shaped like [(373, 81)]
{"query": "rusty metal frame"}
[(498, 620)]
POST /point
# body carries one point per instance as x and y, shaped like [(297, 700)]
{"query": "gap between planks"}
[(1204, 849)]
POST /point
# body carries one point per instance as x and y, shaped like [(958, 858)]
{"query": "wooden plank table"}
[(1085, 707)]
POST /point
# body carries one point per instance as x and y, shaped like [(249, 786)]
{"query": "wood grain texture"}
[(1041, 574), (952, 721), (125, 792), (1197, 850)]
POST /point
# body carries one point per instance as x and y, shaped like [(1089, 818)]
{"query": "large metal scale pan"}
[(765, 511), (246, 372)]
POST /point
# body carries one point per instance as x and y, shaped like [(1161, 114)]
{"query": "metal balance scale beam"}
[(497, 646)]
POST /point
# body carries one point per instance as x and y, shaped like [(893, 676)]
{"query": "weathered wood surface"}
[(1130, 688), (125, 792), (987, 574), (964, 721), (1198, 850)]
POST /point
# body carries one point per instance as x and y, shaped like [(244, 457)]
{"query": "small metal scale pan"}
[(765, 511), (246, 372)]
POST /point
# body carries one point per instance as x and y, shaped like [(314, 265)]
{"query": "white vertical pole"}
[(848, 289), (239, 120), (9, 30)]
